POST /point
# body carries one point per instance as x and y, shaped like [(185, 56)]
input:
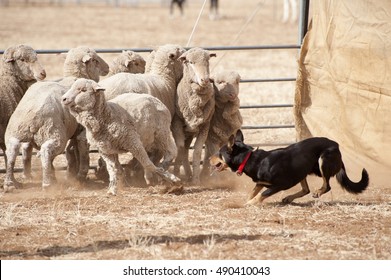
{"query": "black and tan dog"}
[(281, 169)]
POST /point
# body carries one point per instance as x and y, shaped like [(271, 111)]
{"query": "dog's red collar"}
[(239, 172)]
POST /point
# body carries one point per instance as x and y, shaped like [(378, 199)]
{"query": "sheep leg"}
[(179, 136), (178, 162), (198, 145), (143, 158), (27, 151), (115, 171), (148, 175), (101, 170), (11, 153), (170, 152), (185, 158), (83, 155), (3, 148), (141, 155), (210, 149), (49, 150), (71, 156)]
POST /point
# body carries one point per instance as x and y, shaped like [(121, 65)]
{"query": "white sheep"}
[(112, 129), (40, 120), (127, 62), (226, 118), (81, 62), (195, 105), (163, 74), (19, 68), (152, 122)]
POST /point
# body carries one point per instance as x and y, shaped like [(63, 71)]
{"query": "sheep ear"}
[(8, 55), (182, 57), (97, 88), (128, 62), (9, 59), (212, 55), (86, 58)]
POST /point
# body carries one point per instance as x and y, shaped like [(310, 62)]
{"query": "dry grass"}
[(198, 222), (201, 223)]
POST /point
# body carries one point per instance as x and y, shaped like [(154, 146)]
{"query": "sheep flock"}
[(153, 109)]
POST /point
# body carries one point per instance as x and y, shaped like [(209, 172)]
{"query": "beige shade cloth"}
[(343, 88)]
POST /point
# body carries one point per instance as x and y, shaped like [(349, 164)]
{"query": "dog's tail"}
[(350, 186)]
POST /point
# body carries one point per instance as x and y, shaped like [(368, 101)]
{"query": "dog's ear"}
[(239, 136), (231, 142)]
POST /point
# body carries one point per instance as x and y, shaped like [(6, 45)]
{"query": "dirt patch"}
[(210, 221)]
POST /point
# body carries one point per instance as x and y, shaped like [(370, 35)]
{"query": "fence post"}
[(303, 20)]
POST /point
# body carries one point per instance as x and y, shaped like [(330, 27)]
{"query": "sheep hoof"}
[(82, 178), (112, 191), (27, 177), (168, 176), (195, 182), (45, 186), (8, 188)]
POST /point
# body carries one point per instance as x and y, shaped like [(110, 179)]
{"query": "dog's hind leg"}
[(330, 163), (304, 190), (324, 189), (256, 190), (254, 193)]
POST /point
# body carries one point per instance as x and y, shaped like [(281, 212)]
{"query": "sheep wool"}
[(84, 62), (162, 76), (195, 105), (19, 68), (42, 122), (45, 125), (113, 129), (81, 62), (226, 119)]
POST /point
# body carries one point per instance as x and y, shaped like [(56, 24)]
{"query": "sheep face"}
[(84, 62), (82, 96), (134, 62), (23, 62), (128, 62), (227, 84), (196, 60), (167, 56)]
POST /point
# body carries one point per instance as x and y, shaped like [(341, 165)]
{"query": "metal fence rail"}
[(220, 48), (211, 48)]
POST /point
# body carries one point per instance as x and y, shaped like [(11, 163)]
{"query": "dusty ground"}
[(200, 222)]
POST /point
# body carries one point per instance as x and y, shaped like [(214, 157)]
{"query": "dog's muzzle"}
[(217, 164)]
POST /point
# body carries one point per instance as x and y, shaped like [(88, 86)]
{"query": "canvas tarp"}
[(343, 88)]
